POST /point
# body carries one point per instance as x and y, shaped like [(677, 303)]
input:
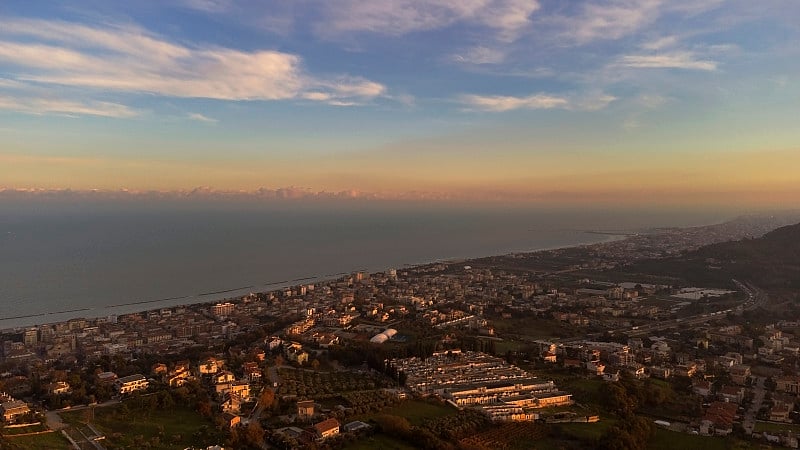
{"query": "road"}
[(54, 419), (749, 420), (274, 381)]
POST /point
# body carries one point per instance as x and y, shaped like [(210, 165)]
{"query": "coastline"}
[(208, 298)]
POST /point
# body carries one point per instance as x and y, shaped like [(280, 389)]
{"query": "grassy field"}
[(418, 411), (47, 441), (587, 431), (24, 430), (534, 328), (177, 428), (768, 426), (379, 441), (668, 440)]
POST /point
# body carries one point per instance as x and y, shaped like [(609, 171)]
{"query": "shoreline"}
[(103, 311)]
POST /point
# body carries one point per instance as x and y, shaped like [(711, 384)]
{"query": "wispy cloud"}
[(672, 60), (614, 19), (661, 43), (211, 6), (66, 107), (608, 19), (480, 55), (502, 103), (201, 118), (130, 59), (398, 17)]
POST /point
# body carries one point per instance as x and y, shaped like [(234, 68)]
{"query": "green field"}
[(587, 431), (379, 441), (769, 426), (534, 328), (176, 429), (669, 440), (24, 430), (418, 411), (47, 441)]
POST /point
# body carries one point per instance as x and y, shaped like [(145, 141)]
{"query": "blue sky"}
[(397, 96)]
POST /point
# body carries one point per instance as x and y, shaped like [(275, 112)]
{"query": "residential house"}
[(178, 379), (231, 420), (223, 377), (740, 373), (326, 429), (701, 388), (305, 409), (718, 419), (733, 394), (789, 384), (131, 383), (58, 388), (12, 410)]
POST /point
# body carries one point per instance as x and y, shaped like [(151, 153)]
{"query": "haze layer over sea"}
[(60, 260)]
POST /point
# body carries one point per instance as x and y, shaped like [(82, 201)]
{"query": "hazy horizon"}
[(683, 103)]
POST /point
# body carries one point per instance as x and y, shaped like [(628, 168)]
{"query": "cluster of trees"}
[(442, 433), (631, 432)]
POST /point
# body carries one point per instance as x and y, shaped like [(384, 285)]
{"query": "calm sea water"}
[(59, 260)]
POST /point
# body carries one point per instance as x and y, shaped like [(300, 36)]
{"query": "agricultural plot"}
[(176, 428), (310, 384), (44, 441), (514, 435)]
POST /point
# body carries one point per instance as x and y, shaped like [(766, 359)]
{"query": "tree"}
[(266, 398), (254, 434)]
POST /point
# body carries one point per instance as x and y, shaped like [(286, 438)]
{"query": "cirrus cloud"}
[(672, 60), (127, 58), (502, 103), (398, 17)]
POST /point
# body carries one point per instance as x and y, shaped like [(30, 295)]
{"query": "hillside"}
[(771, 261)]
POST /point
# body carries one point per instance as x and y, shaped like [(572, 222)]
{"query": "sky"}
[(611, 101)]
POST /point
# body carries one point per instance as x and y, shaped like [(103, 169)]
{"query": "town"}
[(505, 352)]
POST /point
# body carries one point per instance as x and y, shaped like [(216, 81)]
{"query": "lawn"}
[(24, 430), (769, 426), (379, 441), (534, 328), (176, 428), (587, 431), (669, 440), (418, 411), (46, 441), (584, 390)]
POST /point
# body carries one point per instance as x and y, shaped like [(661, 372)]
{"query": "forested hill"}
[(771, 262)]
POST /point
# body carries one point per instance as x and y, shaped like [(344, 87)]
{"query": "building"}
[(12, 410), (718, 419), (131, 383), (223, 377), (223, 309), (231, 420), (178, 379), (305, 409), (326, 429), (59, 387), (789, 384), (106, 377)]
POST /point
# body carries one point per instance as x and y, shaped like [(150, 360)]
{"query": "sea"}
[(67, 259)]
